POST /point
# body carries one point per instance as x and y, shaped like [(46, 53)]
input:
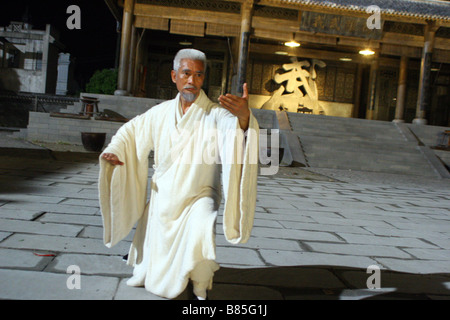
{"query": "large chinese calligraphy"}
[(298, 92)]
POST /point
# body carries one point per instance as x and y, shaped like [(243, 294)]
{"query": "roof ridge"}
[(427, 9)]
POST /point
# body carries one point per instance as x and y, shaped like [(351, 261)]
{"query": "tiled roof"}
[(426, 9)]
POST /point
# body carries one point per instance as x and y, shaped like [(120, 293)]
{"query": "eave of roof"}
[(423, 9)]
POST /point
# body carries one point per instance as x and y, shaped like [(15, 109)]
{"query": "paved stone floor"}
[(316, 233)]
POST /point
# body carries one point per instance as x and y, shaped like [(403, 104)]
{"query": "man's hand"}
[(237, 106), (112, 159)]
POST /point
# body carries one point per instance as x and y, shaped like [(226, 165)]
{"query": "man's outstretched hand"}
[(237, 106), (112, 159)]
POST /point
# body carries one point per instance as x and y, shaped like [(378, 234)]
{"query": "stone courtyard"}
[(316, 233)]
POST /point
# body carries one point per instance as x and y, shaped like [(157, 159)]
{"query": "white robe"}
[(176, 228)]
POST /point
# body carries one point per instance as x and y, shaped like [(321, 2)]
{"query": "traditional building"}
[(374, 59), (33, 60)]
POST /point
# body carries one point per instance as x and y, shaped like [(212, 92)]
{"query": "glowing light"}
[(292, 44), (367, 52)]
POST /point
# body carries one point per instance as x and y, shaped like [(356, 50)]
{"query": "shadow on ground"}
[(20, 166), (324, 283)]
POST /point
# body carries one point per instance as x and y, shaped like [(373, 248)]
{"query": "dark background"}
[(93, 46)]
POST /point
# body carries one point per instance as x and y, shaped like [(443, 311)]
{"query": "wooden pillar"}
[(357, 91), (401, 90), (424, 96), (372, 89), (127, 22), (132, 61), (138, 67), (244, 43)]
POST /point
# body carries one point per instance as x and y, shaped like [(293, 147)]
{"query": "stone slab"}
[(34, 285), (398, 241), (263, 243), (290, 234), (290, 258), (238, 256), (37, 227), (365, 250), (91, 264), (72, 219), (50, 207), (22, 259), (63, 244)]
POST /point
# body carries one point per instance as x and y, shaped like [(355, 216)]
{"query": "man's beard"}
[(188, 96)]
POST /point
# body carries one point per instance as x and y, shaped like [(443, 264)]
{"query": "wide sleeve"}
[(123, 188), (239, 158)]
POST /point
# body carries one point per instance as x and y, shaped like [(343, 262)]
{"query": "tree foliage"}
[(103, 81)]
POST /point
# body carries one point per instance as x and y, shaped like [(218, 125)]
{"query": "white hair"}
[(191, 54)]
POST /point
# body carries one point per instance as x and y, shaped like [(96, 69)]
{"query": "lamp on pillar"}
[(127, 22), (244, 43), (424, 95)]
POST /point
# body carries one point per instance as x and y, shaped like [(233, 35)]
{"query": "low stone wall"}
[(127, 106), (43, 127)]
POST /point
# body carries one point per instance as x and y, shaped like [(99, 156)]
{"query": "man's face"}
[(189, 78)]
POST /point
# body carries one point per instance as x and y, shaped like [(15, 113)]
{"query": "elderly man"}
[(199, 150)]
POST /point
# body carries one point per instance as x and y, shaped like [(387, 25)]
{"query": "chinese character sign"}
[(298, 92)]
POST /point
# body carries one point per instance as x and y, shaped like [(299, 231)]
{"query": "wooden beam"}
[(186, 14), (213, 17), (191, 28), (413, 40), (404, 39), (154, 23), (273, 35), (275, 24), (442, 43), (358, 42), (319, 54), (401, 50), (303, 36), (223, 30)]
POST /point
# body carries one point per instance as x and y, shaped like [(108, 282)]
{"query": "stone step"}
[(356, 145), (365, 145)]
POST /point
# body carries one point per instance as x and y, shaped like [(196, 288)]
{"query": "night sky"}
[(93, 46)]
